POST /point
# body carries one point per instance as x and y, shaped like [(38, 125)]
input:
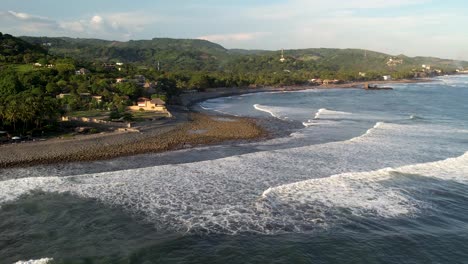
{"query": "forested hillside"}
[(201, 55), (15, 50), (172, 54)]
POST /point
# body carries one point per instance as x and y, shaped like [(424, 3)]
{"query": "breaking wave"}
[(188, 198), (369, 131), (383, 193), (266, 110), (38, 261), (329, 113)]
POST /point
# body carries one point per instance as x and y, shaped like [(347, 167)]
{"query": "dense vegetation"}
[(42, 78), (176, 55), (14, 50)]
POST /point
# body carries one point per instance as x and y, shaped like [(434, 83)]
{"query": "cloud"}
[(233, 37), (305, 8), (121, 26), (25, 22)]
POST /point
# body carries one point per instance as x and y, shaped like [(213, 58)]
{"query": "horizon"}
[(413, 28)]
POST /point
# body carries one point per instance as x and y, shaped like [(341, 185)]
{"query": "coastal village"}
[(102, 96)]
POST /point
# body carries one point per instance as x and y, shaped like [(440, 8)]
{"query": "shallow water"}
[(372, 177)]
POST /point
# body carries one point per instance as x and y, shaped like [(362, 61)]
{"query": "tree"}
[(65, 68), (129, 88), (52, 88), (9, 84)]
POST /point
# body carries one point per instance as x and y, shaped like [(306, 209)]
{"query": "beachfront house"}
[(315, 81), (146, 104), (387, 78), (327, 82)]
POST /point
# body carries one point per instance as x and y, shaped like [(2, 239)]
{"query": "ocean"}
[(365, 177)]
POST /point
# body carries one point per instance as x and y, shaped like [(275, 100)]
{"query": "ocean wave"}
[(268, 110), (360, 194), (223, 195), (369, 131), (38, 261), (415, 117), (329, 113), (204, 107)]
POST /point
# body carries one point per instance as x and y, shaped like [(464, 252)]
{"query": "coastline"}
[(191, 127)]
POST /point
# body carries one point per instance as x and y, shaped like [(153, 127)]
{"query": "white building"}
[(387, 77)]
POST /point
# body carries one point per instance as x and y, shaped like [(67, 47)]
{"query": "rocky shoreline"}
[(200, 129)]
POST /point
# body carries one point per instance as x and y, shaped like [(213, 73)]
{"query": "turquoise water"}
[(370, 177)]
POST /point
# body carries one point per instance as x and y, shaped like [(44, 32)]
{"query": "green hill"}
[(16, 50), (173, 54), (201, 55)]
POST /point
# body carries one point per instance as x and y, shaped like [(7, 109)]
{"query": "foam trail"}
[(264, 109), (415, 117), (38, 261), (204, 107), (324, 111)]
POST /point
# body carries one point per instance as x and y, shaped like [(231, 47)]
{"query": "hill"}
[(16, 50), (173, 54), (201, 55)]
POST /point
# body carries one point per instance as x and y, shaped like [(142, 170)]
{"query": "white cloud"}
[(96, 20), (305, 8), (108, 25), (233, 37), (19, 15)]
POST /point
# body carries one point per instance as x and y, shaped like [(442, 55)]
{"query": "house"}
[(315, 82), (37, 64), (82, 71), (156, 105), (120, 80), (362, 74), (62, 95), (109, 66), (387, 77), (318, 81), (97, 98), (392, 62), (426, 67), (327, 82)]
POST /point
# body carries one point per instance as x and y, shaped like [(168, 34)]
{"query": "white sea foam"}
[(361, 193), (38, 261), (205, 107), (330, 113), (415, 117), (223, 195), (369, 131), (266, 110)]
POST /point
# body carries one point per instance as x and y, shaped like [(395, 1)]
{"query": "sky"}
[(411, 27)]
